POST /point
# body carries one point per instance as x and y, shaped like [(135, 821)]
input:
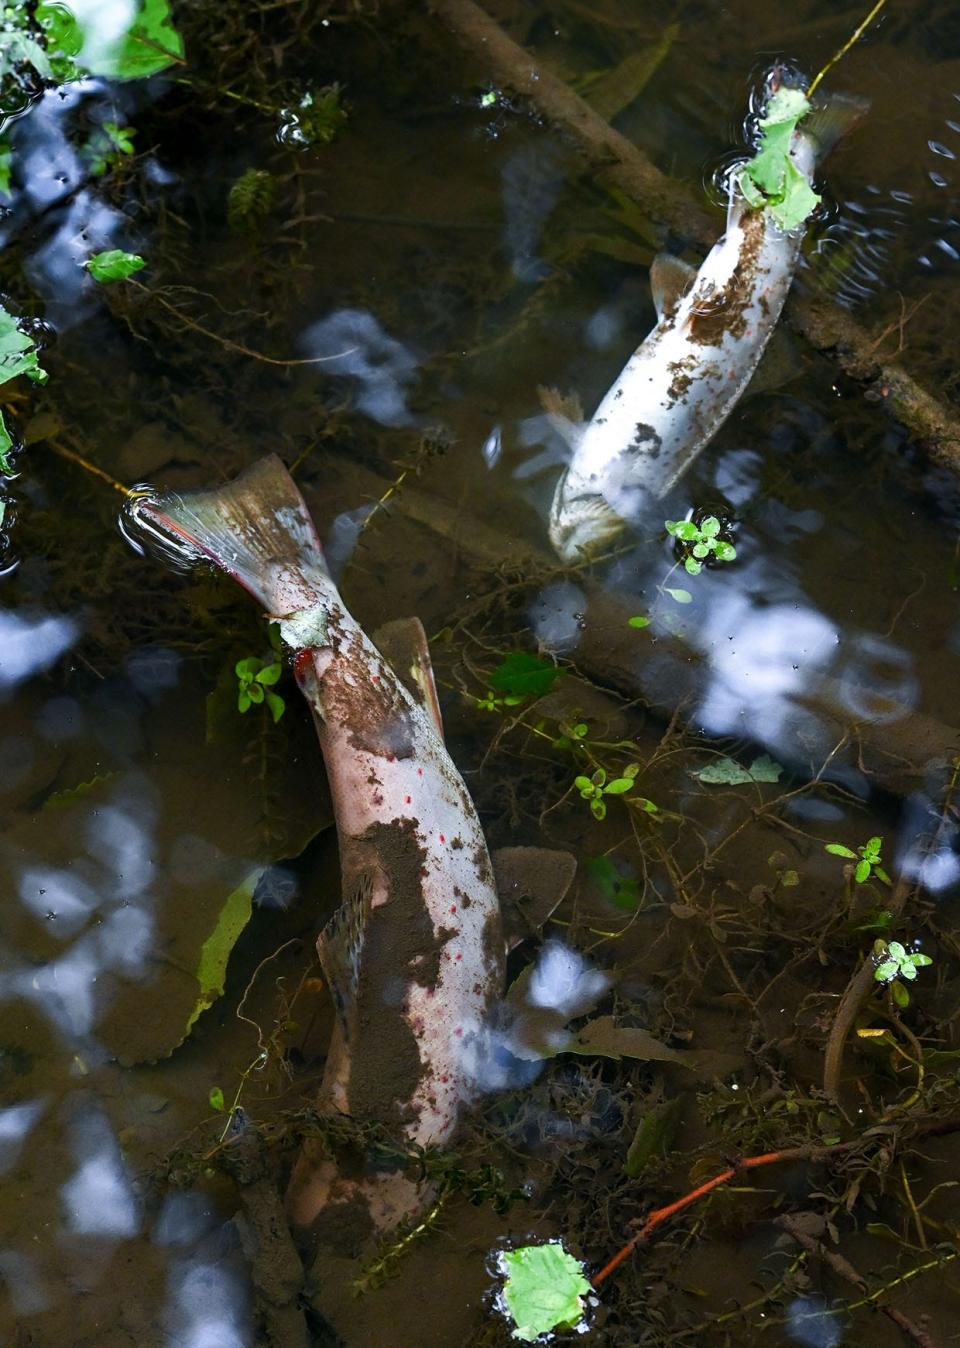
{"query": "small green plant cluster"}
[(519, 676), (771, 180), (255, 679), (107, 146), (894, 963), (18, 355), (700, 543), (317, 118), (867, 857), (249, 200), (595, 787)]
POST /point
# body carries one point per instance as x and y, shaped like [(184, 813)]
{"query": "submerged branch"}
[(822, 323)]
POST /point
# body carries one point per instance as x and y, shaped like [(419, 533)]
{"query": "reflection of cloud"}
[(184, 1218), (59, 897), (356, 345), (24, 1287), (99, 1199), (936, 867), (809, 1324), (28, 645), (564, 982), (556, 616), (104, 24), (342, 538), (209, 1308), (532, 183), (15, 1123)]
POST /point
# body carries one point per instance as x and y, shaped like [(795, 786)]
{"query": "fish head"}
[(582, 522)]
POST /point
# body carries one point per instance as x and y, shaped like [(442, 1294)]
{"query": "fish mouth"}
[(582, 526)]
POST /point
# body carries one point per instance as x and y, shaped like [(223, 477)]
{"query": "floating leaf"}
[(113, 265), (839, 850), (521, 672), (18, 352), (681, 596), (212, 968), (6, 444), (727, 772), (606, 1039), (771, 179), (638, 621), (216, 1099), (544, 1289), (654, 1136)]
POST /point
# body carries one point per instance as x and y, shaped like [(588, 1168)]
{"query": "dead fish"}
[(683, 381), (414, 956)]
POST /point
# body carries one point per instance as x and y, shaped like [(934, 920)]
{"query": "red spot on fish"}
[(302, 665), (407, 800), (444, 1078), (442, 838), (458, 1030), (377, 798), (458, 955), (430, 991), (374, 678), (453, 908), (390, 757), (419, 772), (424, 872)]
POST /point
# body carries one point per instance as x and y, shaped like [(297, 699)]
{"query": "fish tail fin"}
[(831, 117), (257, 528)]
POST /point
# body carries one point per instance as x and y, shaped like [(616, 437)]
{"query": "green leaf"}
[(618, 786), (725, 552), (247, 668), (907, 970), (6, 444), (6, 169), (862, 872), (885, 971), (254, 691), (212, 968), (243, 700), (681, 596), (685, 530), (765, 769), (881, 874), (900, 995), (896, 950), (269, 674), (277, 706), (871, 849), (727, 772), (149, 44), (598, 809), (522, 672), (583, 785), (638, 621), (605, 1039), (113, 265), (710, 527), (619, 888), (799, 200), (839, 850), (654, 1136), (692, 568), (920, 960), (544, 1289), (216, 1099), (18, 352)]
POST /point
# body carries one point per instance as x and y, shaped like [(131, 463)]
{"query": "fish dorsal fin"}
[(564, 412), (339, 946), (831, 118), (670, 279), (531, 882), (403, 644)]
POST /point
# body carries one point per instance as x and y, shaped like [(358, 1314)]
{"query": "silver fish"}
[(683, 381), (414, 956)]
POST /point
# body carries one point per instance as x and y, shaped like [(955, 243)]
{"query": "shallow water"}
[(439, 260)]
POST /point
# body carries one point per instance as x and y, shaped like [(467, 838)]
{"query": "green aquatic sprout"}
[(638, 620), (255, 678), (894, 962), (107, 146), (250, 199), (701, 543), (544, 1289), (113, 265), (867, 857), (18, 355), (571, 736), (771, 180), (595, 787)]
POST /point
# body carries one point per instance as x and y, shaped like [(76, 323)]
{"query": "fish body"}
[(414, 957), (682, 382)]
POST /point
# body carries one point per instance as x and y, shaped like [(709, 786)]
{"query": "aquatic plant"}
[(867, 857), (18, 355), (113, 265), (249, 199), (700, 543), (595, 787), (107, 146), (255, 679)]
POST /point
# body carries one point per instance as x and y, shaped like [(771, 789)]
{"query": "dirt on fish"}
[(725, 311), (399, 947)]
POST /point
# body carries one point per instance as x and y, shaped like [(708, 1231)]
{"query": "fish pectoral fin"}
[(403, 644), (340, 943), (531, 882), (564, 412), (670, 279)]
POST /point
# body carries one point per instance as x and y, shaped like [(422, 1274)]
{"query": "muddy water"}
[(449, 256)]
